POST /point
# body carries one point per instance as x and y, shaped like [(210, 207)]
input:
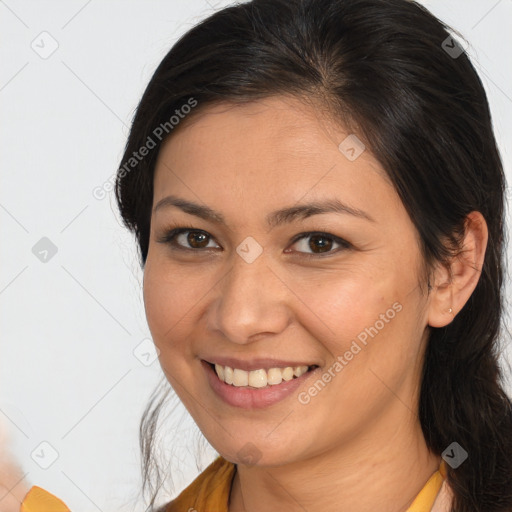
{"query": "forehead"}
[(277, 148), (274, 128)]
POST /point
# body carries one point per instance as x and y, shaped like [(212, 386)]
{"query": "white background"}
[(68, 374)]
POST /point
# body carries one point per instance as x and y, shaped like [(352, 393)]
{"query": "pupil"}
[(192, 239), (324, 247)]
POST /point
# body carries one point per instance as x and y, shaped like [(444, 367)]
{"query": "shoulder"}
[(209, 491), (39, 499), (444, 498)]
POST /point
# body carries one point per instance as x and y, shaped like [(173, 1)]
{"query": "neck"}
[(382, 470)]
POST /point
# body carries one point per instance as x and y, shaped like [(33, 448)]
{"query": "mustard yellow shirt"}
[(209, 492)]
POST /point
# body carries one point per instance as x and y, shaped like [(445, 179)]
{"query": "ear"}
[(454, 285)]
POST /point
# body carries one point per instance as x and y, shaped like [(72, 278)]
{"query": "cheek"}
[(169, 297), (377, 342), (338, 305), (367, 317)]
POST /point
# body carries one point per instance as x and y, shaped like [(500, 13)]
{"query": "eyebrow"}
[(275, 218)]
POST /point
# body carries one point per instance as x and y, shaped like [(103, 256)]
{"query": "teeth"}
[(258, 378), (288, 373), (220, 371), (228, 375), (299, 370), (240, 378), (274, 376)]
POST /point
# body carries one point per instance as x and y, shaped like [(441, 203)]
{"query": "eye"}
[(186, 238), (319, 243)]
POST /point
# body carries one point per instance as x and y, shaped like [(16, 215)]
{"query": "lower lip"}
[(253, 398)]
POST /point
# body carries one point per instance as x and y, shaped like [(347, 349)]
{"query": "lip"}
[(256, 363), (254, 398)]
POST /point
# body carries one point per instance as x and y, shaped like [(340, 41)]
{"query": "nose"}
[(252, 301)]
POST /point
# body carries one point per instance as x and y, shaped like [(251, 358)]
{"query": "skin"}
[(358, 444)]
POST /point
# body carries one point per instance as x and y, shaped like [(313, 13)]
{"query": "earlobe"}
[(454, 285)]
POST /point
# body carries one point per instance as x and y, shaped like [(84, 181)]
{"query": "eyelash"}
[(171, 233)]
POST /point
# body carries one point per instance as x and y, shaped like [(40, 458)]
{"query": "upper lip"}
[(255, 363)]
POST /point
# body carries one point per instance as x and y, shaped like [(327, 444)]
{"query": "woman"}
[(317, 198)]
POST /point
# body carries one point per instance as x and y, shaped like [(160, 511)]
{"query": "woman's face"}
[(346, 299)]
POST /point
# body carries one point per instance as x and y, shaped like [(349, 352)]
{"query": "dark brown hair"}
[(390, 71)]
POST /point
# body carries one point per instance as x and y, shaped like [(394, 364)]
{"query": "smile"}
[(259, 378), (236, 387)]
